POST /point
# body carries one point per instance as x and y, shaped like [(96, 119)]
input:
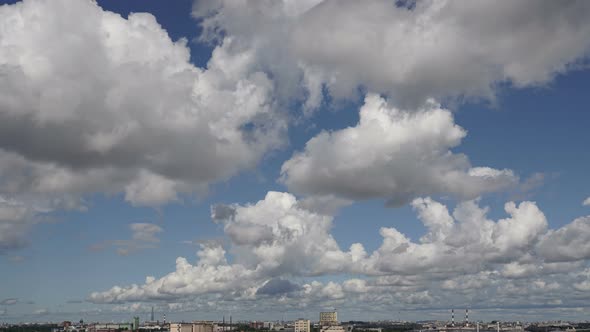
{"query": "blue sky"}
[(132, 149)]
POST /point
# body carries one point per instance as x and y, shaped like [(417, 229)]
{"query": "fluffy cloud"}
[(393, 154), (211, 274), (463, 254), (466, 241), (278, 235), (93, 102), (586, 202), (274, 237), (125, 109), (570, 242), (410, 51)]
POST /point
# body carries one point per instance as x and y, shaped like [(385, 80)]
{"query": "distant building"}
[(257, 325), (110, 327), (181, 327), (328, 318), (223, 328), (196, 326), (302, 325), (203, 327)]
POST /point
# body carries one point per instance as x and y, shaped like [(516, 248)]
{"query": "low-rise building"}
[(110, 327), (203, 327), (181, 327), (302, 325), (328, 318)]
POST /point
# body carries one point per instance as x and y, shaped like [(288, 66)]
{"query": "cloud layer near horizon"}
[(463, 255)]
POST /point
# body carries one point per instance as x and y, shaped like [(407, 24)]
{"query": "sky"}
[(272, 159)]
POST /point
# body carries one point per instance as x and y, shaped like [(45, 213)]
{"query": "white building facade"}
[(328, 318), (302, 325)]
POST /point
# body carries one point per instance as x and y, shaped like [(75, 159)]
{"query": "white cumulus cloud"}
[(91, 102), (278, 249), (393, 154), (122, 105), (278, 235), (570, 242), (429, 49)]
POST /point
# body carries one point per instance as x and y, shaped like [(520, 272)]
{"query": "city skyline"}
[(391, 160)]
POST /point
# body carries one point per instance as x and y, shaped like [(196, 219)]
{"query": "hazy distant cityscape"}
[(294, 165), (328, 322)]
